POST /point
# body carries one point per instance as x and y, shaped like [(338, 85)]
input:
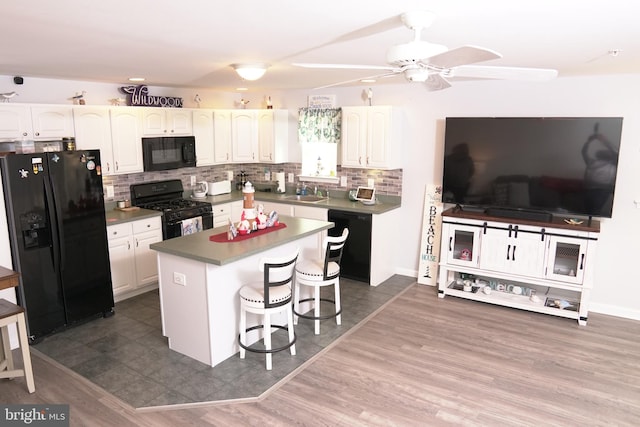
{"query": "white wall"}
[(615, 291)]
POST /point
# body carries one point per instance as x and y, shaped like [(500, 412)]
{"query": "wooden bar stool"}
[(11, 313)]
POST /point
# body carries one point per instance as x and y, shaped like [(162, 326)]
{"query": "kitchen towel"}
[(280, 181), (191, 225)]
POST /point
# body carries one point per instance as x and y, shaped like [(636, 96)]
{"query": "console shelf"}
[(514, 259)]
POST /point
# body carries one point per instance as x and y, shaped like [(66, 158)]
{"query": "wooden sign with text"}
[(430, 241), (138, 96)]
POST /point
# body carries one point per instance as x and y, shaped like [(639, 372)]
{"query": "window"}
[(319, 132)]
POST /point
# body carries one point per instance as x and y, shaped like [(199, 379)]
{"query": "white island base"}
[(199, 300)]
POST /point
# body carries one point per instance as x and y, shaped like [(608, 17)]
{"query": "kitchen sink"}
[(310, 198)]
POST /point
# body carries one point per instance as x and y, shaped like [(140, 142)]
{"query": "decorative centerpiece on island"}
[(251, 219)]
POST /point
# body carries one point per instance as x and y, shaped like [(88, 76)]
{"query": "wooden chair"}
[(271, 296), (11, 313), (319, 273)]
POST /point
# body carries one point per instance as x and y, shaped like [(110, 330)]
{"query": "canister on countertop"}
[(69, 144)]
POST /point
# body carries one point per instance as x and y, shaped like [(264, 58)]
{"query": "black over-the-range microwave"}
[(168, 152)]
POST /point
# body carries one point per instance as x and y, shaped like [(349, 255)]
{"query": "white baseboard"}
[(613, 310)]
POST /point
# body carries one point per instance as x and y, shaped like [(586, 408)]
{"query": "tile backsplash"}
[(387, 182)]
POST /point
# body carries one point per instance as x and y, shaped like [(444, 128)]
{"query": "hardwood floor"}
[(420, 361)]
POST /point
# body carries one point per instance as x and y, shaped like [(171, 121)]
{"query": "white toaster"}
[(219, 187)]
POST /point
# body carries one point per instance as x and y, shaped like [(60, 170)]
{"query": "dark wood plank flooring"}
[(421, 361)]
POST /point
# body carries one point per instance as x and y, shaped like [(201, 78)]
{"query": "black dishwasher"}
[(356, 257)]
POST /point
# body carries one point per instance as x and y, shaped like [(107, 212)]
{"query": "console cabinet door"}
[(513, 251), (462, 244), (566, 259)]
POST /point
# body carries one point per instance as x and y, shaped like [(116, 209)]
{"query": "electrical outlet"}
[(290, 177), (370, 182), (109, 191), (343, 181), (193, 180), (230, 175), (179, 279)]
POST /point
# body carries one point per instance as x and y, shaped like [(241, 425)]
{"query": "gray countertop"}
[(198, 246), (115, 216), (383, 204)]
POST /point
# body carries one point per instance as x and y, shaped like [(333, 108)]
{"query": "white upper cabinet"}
[(273, 136), (116, 131), (244, 136), (371, 138), (204, 135), (126, 135), (166, 121), (221, 136), (93, 130), (43, 122)]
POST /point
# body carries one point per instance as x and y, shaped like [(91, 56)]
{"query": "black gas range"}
[(166, 196)]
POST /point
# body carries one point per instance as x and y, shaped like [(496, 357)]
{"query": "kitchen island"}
[(199, 280)]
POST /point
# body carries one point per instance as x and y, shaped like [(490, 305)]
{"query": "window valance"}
[(319, 125)]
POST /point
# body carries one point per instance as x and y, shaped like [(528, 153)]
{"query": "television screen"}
[(560, 165)]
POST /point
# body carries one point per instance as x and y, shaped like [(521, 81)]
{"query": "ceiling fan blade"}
[(462, 56), (377, 76), (344, 66), (436, 82), (370, 30), (504, 73)]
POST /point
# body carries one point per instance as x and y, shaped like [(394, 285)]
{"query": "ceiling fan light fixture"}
[(419, 75), (413, 52), (250, 72)]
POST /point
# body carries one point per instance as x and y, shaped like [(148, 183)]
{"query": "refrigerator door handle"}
[(54, 225)]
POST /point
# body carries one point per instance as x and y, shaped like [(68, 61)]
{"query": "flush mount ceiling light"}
[(250, 71)]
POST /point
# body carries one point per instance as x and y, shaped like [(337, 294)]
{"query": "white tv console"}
[(506, 260)]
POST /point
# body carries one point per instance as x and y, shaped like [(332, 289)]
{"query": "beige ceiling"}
[(190, 43)]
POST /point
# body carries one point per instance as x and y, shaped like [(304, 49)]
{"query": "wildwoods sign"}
[(139, 96)]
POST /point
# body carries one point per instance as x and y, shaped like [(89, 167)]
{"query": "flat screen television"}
[(549, 165)]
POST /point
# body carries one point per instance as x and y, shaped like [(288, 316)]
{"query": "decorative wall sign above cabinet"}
[(138, 96)]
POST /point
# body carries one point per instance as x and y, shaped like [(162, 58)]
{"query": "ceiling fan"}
[(433, 64)]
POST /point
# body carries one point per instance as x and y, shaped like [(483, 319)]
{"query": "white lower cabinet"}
[(133, 265), (224, 212), (536, 266)]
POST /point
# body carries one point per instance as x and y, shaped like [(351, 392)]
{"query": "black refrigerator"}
[(57, 227)]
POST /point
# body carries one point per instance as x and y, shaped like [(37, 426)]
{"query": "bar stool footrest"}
[(323, 317), (273, 350)]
